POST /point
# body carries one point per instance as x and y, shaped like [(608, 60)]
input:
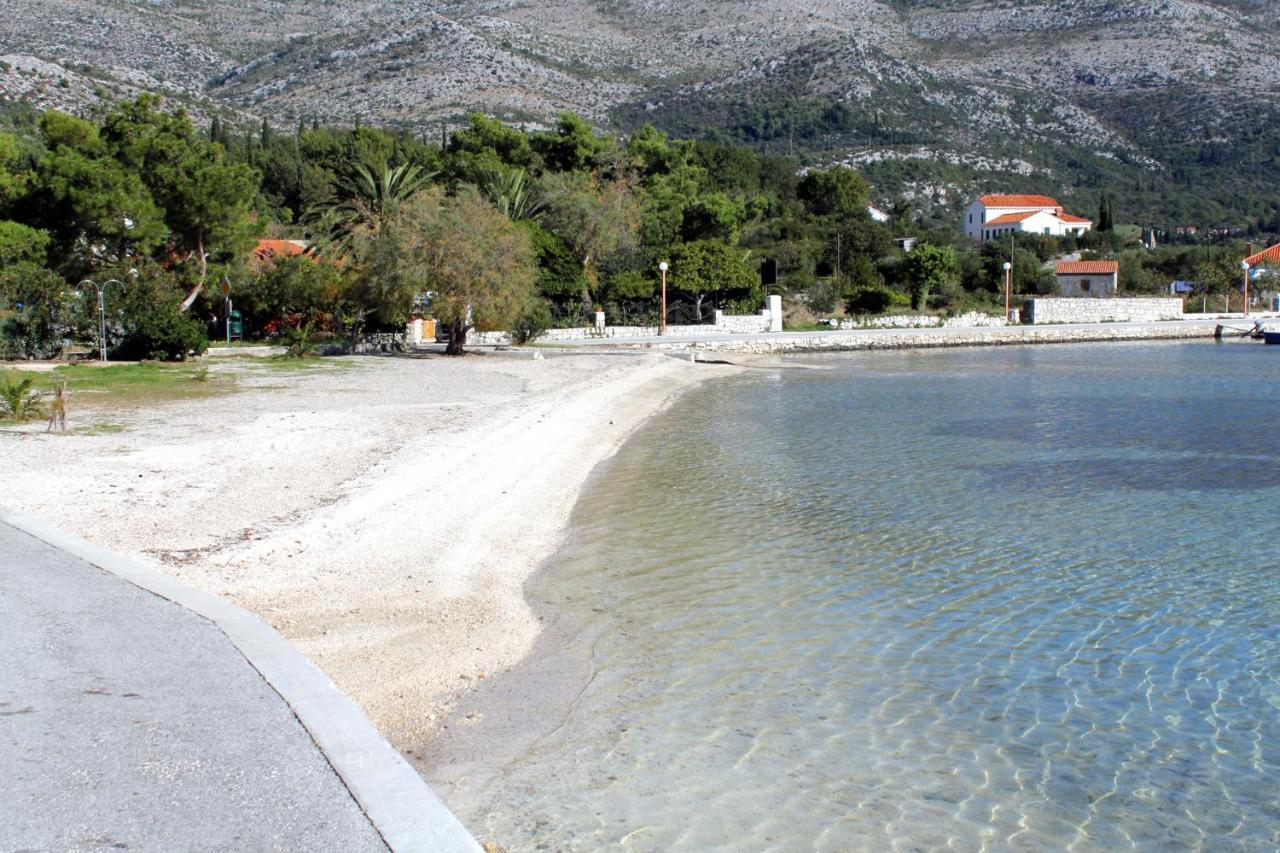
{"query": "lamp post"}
[(1244, 266), (1008, 288), (102, 308), (662, 321)]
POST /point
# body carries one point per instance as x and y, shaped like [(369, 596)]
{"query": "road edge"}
[(397, 801)]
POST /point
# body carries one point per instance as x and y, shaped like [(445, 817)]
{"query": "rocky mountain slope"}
[(1017, 87)]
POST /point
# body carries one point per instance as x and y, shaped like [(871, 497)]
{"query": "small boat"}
[(1270, 337)]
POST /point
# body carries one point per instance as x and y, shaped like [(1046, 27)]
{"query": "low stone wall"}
[(1114, 310), (724, 325), (927, 338), (918, 321)]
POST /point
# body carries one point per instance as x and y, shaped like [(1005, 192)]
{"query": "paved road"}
[(128, 722)]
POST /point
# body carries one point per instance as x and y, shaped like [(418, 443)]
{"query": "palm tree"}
[(368, 199), (511, 191)]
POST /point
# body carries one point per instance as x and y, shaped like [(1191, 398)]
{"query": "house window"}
[(1046, 232), (970, 218), (1084, 285)]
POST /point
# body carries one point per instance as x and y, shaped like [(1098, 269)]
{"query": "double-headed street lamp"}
[(102, 308), (1008, 287), (662, 321)]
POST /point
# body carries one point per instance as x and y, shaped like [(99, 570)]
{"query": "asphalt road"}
[(128, 722)]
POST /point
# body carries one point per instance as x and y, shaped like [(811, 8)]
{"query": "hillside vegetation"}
[(1173, 105)]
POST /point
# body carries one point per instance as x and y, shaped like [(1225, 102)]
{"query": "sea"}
[(1009, 598)]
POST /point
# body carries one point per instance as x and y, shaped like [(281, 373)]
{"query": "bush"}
[(161, 333), (18, 401), (532, 322), (823, 295), (873, 299)]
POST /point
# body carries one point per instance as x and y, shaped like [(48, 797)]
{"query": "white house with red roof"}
[(1088, 278), (994, 216)]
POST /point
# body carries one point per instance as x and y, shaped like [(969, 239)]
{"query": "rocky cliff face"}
[(960, 81)]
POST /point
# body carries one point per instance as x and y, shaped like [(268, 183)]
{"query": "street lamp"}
[(1244, 266), (102, 308), (1008, 287), (662, 321)]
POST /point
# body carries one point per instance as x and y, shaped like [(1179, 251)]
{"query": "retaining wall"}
[(724, 325), (925, 338), (1114, 310)]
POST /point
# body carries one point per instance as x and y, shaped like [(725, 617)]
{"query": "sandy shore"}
[(383, 514)]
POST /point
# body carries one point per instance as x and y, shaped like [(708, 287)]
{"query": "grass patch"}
[(99, 429), (116, 385)]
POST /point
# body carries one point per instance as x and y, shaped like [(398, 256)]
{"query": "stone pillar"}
[(718, 317), (774, 307), (599, 321), (413, 331)]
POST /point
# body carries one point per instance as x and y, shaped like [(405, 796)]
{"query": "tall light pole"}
[(1244, 266), (1008, 288), (662, 321), (102, 308)]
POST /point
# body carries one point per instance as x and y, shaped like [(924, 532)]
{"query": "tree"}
[(476, 261), (927, 268), (1105, 222), (572, 146), (372, 197), (596, 219), (206, 200), (511, 192), (839, 193), (713, 268), (98, 211)]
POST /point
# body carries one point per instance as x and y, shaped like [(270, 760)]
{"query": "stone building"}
[(1097, 279), (993, 217)]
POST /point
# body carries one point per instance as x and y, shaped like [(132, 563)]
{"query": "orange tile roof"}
[(1266, 256), (1067, 217), (1088, 267), (1010, 218), (1019, 201), (270, 248)]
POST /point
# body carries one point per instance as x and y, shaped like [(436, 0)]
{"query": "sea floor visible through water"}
[(1008, 598)]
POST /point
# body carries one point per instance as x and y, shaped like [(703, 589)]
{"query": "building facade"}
[(1096, 279), (992, 217)]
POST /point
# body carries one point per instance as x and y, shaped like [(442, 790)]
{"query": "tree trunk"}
[(457, 338), (204, 269)]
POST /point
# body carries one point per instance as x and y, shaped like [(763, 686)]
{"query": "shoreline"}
[(384, 519)]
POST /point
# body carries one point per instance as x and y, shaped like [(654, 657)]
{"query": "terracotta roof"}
[(1266, 256), (1088, 267), (1067, 217), (284, 248), (1010, 218), (1019, 201)]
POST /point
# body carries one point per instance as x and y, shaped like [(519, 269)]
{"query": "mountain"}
[(1173, 104)]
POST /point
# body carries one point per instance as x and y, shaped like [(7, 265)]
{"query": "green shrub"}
[(161, 333), (18, 402), (873, 299), (297, 341), (823, 295), (532, 322)]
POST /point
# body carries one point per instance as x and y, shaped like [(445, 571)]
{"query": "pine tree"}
[(266, 134), (1105, 223)]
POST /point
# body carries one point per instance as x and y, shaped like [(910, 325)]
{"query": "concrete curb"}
[(399, 804)]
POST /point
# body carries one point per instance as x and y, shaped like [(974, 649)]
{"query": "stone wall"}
[(723, 325), (939, 337), (1118, 310), (917, 321)]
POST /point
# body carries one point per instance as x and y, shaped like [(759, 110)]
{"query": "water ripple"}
[(974, 600)]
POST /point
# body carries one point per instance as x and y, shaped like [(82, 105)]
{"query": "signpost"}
[(226, 307)]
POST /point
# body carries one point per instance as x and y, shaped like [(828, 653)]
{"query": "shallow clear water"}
[(1006, 598)]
